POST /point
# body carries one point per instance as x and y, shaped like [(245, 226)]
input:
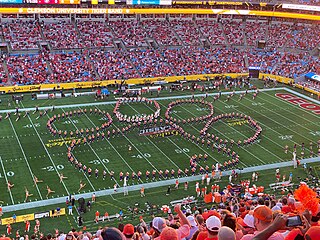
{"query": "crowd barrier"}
[(95, 84), (32, 216)]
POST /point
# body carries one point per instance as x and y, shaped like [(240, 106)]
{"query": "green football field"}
[(27, 148)]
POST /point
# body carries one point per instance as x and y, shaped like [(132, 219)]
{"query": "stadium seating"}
[(113, 65), (62, 35), (161, 31), (181, 47), (95, 34), (28, 69), (131, 32), (150, 63), (22, 35), (71, 66)]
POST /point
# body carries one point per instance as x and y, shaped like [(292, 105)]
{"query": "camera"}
[(294, 221)]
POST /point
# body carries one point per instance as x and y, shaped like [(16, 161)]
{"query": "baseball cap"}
[(313, 233), (169, 233), (210, 213), (213, 223), (249, 219), (112, 233), (192, 221), (128, 229), (159, 224), (263, 213)]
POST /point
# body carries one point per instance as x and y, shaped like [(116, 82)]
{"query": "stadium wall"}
[(95, 84)]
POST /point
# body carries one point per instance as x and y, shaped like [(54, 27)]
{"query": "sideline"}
[(114, 102), (42, 203)]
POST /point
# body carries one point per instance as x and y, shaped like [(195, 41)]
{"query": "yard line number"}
[(9, 174), (143, 155), (51, 168), (97, 162), (182, 150)]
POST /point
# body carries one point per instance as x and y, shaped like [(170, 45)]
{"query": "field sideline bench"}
[(280, 185)]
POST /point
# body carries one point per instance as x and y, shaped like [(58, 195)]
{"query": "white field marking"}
[(258, 144), (85, 175), (113, 149), (5, 176), (263, 124), (198, 146), (155, 144), (285, 126), (156, 98), (25, 157), (225, 136), (136, 148), (53, 164), (294, 105)]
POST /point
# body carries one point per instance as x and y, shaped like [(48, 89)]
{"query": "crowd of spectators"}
[(181, 51), (62, 35), (302, 37), (234, 31), (131, 32), (190, 60), (113, 65), (150, 63), (22, 35), (255, 31), (292, 65), (161, 31), (235, 216), (187, 31), (28, 69), (95, 34), (265, 59), (71, 67), (212, 31)]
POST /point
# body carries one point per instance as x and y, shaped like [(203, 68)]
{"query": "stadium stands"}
[(62, 35), (156, 47), (113, 65), (71, 66), (22, 35), (95, 34)]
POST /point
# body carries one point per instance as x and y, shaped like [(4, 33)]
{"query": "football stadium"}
[(159, 119)]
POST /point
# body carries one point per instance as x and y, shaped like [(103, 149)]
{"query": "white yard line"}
[(113, 149), (155, 144), (67, 148), (257, 144), (5, 176), (44, 146), (142, 155), (296, 132), (197, 145), (295, 106), (25, 157), (114, 102)]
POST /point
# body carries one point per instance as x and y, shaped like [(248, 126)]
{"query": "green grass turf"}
[(26, 150)]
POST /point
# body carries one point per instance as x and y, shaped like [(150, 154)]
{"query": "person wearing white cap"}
[(194, 226), (213, 225)]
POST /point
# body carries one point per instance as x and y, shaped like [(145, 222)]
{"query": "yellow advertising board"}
[(277, 78), (62, 212), (20, 218), (155, 11)]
